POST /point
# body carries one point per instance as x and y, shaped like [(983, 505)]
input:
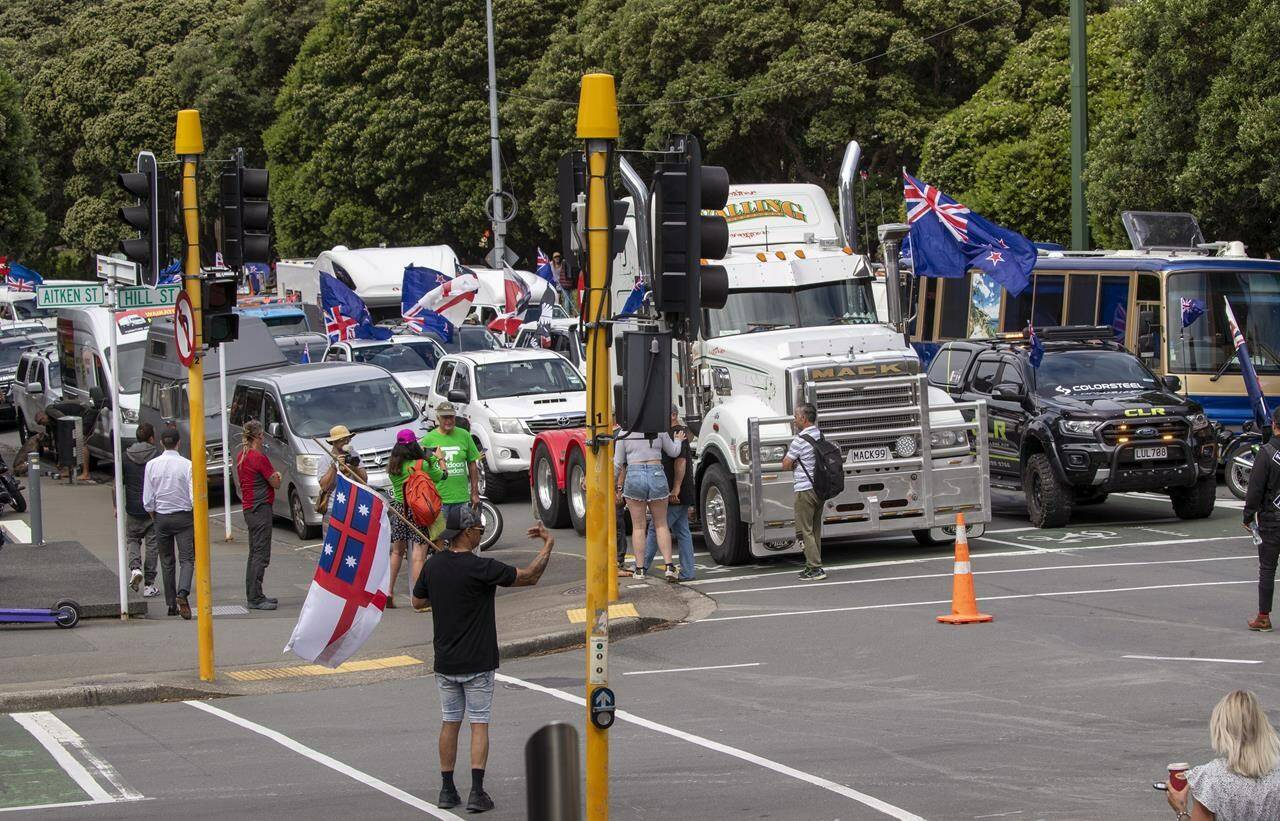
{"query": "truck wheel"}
[(24, 433), (1195, 502), (1048, 500), (575, 489), (493, 485), (300, 526), (553, 507), (726, 535)]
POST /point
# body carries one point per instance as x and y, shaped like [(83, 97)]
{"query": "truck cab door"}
[(981, 381), (1007, 418)]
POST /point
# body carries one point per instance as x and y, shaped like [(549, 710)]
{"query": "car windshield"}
[(469, 338), (26, 309), (368, 405), (1205, 346), (131, 356), (1090, 373), (844, 302), (286, 324), (11, 352), (531, 376), (400, 357)]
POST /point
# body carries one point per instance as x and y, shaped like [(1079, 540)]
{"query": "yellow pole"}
[(598, 125), (188, 144)]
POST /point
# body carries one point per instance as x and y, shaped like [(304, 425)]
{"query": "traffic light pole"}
[(189, 145), (598, 125)]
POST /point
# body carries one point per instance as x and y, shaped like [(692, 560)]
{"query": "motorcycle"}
[(10, 490), (1238, 454)]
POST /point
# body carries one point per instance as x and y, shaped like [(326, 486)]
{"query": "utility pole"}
[(188, 144), (1079, 126), (598, 125), (498, 212)]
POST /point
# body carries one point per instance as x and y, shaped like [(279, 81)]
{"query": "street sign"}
[(69, 296), (119, 271), (144, 297), (184, 329)]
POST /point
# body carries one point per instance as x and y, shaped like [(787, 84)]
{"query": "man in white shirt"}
[(801, 459), (166, 495)]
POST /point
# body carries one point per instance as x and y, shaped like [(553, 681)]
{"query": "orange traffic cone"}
[(964, 605)]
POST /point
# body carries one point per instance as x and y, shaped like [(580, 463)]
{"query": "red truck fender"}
[(560, 444)]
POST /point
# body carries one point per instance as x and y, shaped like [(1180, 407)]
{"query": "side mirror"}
[(35, 388), (1172, 383), (276, 429), (458, 396), (1008, 392)]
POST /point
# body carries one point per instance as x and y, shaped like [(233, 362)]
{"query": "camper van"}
[(164, 381), (375, 274)]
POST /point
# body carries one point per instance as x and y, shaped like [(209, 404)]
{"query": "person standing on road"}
[(459, 586), (404, 459), (1260, 511), (339, 443), (638, 462), (680, 481), (258, 483), (166, 495), (808, 507), (455, 463), (1244, 784), (138, 526)]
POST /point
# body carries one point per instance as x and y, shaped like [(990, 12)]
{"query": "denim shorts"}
[(646, 483), (470, 691)]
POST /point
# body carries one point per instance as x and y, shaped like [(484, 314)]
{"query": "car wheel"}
[(1048, 500), (548, 496), (1195, 502), (298, 515), (726, 535), (24, 433), (492, 484), (575, 487)]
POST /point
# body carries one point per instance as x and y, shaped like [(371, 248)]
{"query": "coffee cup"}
[(1178, 776)]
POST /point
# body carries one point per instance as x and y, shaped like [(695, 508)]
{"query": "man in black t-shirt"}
[(459, 586), (679, 472)]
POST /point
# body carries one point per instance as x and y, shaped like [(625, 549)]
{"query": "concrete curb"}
[(98, 695)]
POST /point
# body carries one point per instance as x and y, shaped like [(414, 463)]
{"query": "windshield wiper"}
[(1230, 361), (752, 327)]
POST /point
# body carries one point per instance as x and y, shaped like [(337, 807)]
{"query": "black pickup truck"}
[(1091, 419)]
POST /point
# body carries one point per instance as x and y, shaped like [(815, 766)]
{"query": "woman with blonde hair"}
[(1244, 784)]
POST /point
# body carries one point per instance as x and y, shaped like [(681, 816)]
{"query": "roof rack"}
[(1078, 333)]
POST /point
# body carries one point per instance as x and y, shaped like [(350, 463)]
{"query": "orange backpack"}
[(421, 498)]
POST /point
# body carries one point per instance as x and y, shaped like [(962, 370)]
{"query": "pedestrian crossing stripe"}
[(616, 611), (364, 665)]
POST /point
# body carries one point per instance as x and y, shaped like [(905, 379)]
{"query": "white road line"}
[(1126, 523), (1155, 497), (691, 669), (69, 738), (326, 761), (49, 730), (52, 806), (809, 778), (1020, 545), (986, 573), (1193, 658), (980, 598)]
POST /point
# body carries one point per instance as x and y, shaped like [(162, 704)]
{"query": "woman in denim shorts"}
[(637, 460)]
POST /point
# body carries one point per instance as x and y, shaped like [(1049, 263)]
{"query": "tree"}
[(21, 221)]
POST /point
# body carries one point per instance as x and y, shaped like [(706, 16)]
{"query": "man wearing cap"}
[(455, 469), (460, 586), (339, 442)]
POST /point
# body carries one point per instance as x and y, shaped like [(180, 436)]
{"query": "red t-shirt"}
[(254, 469)]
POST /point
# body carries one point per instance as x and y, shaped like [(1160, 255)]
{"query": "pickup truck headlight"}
[(769, 454), (1198, 421), (129, 416), (307, 464), (1080, 427), (508, 426), (946, 438)]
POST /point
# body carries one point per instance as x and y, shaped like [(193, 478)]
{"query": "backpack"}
[(421, 499), (828, 468)]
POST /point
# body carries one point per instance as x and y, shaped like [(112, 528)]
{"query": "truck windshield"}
[(400, 357), (1089, 373), (10, 353), (1204, 346), (368, 405), (845, 302), (532, 376), (131, 356), (26, 309)]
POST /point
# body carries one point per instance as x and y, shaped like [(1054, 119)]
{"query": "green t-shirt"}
[(459, 451), (397, 481)]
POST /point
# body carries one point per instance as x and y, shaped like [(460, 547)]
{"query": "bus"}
[(1138, 293)]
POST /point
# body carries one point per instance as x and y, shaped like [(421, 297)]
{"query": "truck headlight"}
[(1198, 421), (1080, 427), (905, 446), (508, 426), (129, 416), (945, 438), (307, 464)]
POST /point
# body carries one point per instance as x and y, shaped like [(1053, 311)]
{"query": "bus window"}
[(1017, 309), (1082, 308), (1113, 304), (1047, 308), (954, 322)]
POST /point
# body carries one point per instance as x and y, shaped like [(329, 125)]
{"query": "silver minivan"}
[(298, 404)]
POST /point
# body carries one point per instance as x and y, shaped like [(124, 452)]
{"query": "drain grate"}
[(230, 610)]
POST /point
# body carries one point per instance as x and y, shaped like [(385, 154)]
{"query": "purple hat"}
[(406, 437)]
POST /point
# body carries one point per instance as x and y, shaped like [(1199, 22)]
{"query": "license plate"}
[(867, 455), (1150, 453)]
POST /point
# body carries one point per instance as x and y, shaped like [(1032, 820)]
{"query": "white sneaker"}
[(150, 591), (135, 579)]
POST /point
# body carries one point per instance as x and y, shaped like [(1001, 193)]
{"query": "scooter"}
[(66, 613)]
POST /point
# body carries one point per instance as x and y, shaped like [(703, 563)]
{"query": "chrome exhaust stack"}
[(848, 208)]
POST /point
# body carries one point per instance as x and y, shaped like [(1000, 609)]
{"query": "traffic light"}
[(218, 308), (685, 235), (148, 217), (246, 215)]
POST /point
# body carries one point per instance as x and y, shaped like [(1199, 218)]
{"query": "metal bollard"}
[(35, 512), (551, 774)]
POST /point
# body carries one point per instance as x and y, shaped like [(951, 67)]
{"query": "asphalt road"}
[(1112, 640)]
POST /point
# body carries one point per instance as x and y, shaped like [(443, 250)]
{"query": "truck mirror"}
[(457, 396), (1172, 383), (1007, 391), (276, 430), (35, 388)]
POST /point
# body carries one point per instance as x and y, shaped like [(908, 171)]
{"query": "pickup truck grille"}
[(1113, 431), (370, 459), (562, 422), (899, 401)]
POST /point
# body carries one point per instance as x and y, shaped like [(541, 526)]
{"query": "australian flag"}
[(1192, 309), (544, 269), (21, 278), (947, 240), (345, 314), (349, 589), (418, 282), (1258, 402)]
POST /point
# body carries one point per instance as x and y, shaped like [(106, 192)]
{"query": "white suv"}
[(508, 397)]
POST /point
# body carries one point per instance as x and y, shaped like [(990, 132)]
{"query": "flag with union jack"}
[(948, 240), (21, 278), (417, 283), (1257, 401), (353, 575), (451, 300), (345, 314), (1192, 309), (544, 269)]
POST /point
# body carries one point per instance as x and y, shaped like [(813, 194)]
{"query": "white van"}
[(20, 306)]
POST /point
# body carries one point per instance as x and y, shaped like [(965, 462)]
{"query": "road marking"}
[(980, 598), (1155, 497), (17, 531), (1020, 545), (691, 669), (271, 673), (616, 611), (817, 781), (984, 573), (326, 761), (59, 739), (52, 806), (1193, 658)]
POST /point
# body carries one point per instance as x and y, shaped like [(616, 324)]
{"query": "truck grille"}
[(563, 422), (1113, 431), (899, 401), (377, 458)]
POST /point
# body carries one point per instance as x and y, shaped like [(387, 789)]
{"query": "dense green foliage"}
[(21, 220)]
